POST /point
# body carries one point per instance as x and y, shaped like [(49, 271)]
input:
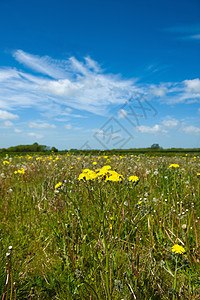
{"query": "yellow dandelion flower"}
[(133, 178), (198, 174), (21, 171), (5, 162), (174, 166), (39, 158), (107, 167), (114, 176), (86, 171), (87, 176), (178, 249), (94, 163), (58, 185)]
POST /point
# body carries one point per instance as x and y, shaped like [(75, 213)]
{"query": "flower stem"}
[(175, 277)]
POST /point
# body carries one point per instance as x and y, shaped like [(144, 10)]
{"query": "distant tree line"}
[(155, 150), (29, 148)]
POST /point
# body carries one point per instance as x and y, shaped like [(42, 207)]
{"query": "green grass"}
[(96, 239)]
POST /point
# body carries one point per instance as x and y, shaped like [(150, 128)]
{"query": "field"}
[(99, 227)]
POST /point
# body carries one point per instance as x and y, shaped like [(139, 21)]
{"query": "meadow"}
[(99, 227)]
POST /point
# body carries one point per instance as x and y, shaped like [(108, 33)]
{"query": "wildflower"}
[(94, 163), (107, 167), (5, 162), (133, 178), (21, 171), (58, 185), (101, 172), (174, 166), (86, 171), (198, 175), (114, 176), (178, 249), (87, 174)]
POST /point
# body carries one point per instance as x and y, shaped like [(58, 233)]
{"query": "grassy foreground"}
[(102, 236)]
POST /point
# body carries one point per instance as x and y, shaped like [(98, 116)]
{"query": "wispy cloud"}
[(185, 32), (195, 36), (156, 129), (8, 124), (35, 135), (5, 115), (184, 28), (191, 130), (60, 86), (70, 127), (192, 86), (76, 84), (44, 65), (122, 113), (17, 130), (40, 125), (170, 123)]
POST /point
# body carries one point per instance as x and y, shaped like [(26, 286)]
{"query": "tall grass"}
[(92, 239)]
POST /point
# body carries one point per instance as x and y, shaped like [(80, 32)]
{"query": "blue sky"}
[(100, 74)]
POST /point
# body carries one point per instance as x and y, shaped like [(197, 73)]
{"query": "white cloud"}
[(193, 130), (5, 115), (8, 73), (45, 65), (69, 84), (91, 64), (159, 91), (184, 29), (186, 32), (122, 113), (73, 84), (68, 126), (8, 124), (171, 123), (17, 130), (35, 135), (193, 85), (156, 129), (40, 125), (195, 37)]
